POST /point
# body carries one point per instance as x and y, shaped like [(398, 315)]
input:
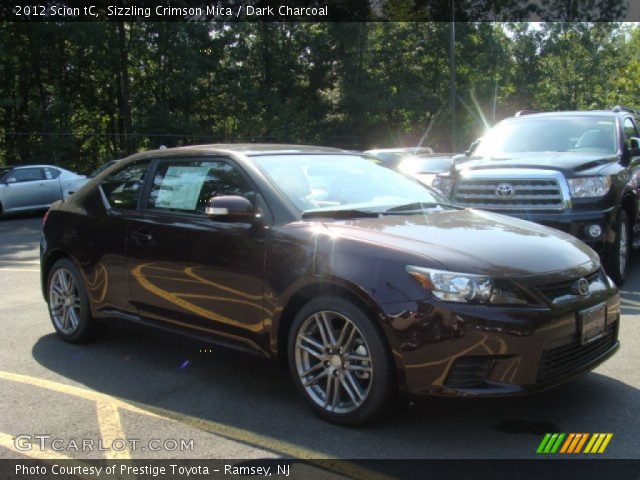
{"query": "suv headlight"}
[(466, 287), (585, 187), (442, 184)]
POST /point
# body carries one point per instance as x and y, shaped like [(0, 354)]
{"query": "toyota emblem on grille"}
[(504, 190), (581, 286)]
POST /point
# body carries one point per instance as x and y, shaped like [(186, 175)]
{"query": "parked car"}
[(74, 186), (355, 277), (390, 157), (32, 187), (574, 171), (425, 167)]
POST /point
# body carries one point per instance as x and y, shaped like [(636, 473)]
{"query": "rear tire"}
[(617, 253), (340, 361), (68, 303)]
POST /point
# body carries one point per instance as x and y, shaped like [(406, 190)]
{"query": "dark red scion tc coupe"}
[(358, 279)]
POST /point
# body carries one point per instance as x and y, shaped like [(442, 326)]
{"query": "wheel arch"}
[(282, 323), (629, 205), (45, 267)]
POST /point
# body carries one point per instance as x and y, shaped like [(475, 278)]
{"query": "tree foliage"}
[(79, 94)]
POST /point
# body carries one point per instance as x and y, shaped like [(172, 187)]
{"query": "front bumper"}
[(575, 223), (439, 347)]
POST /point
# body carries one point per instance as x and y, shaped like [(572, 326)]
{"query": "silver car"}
[(33, 187)]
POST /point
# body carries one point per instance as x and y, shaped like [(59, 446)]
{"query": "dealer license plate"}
[(592, 322)]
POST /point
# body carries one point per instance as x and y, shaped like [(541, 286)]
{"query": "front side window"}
[(123, 188), (319, 182), (26, 175), (629, 131), (570, 133), (186, 186)]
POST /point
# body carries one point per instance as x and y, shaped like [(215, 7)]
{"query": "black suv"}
[(575, 171)]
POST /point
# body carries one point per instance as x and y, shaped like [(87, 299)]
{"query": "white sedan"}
[(33, 187)]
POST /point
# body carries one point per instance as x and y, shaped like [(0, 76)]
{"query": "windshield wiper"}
[(339, 213), (417, 207)]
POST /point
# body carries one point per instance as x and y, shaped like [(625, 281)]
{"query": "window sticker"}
[(181, 187)]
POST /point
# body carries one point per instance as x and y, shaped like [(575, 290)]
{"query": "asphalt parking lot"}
[(131, 385)]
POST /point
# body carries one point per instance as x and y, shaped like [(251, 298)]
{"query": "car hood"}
[(569, 163), (473, 241)]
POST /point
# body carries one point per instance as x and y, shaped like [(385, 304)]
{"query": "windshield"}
[(102, 168), (4, 171), (593, 134), (331, 182), (424, 164)]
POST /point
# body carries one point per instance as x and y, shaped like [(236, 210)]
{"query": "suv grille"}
[(561, 360), (532, 194)]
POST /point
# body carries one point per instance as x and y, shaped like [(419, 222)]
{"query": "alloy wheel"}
[(333, 362), (64, 301)]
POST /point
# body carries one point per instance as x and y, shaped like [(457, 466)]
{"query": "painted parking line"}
[(111, 427), (7, 441)]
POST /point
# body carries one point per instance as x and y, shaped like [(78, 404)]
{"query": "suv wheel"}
[(340, 361), (68, 302), (617, 256)]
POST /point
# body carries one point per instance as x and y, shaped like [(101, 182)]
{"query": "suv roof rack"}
[(521, 113), (620, 108)]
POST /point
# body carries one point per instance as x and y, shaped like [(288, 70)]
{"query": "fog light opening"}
[(593, 231), (469, 372)]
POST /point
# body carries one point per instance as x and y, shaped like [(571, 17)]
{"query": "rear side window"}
[(26, 175), (186, 186), (51, 173), (123, 188)]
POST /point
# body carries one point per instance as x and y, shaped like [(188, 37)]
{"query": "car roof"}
[(575, 113), (34, 166), (247, 149)]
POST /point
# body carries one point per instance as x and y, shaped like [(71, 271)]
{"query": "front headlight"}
[(585, 187), (442, 184), (465, 287)]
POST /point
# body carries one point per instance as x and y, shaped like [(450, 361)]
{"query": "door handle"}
[(142, 236), (42, 185)]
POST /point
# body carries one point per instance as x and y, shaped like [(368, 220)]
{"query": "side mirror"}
[(10, 180), (472, 147), (231, 207)]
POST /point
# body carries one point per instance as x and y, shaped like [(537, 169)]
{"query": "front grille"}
[(560, 289), (469, 372), (558, 361), (528, 194)]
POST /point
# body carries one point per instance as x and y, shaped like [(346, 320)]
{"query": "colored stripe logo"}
[(574, 443)]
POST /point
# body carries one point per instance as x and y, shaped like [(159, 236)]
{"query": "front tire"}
[(68, 303), (340, 361), (617, 254)]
